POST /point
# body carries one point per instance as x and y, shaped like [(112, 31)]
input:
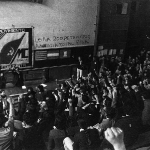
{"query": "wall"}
[(114, 24), (56, 23), (139, 27)]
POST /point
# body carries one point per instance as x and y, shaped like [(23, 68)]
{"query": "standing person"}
[(6, 129), (80, 68), (86, 139), (58, 133), (32, 139), (94, 65), (2, 81), (19, 77), (3, 97)]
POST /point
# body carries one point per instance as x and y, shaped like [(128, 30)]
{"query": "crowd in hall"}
[(80, 112)]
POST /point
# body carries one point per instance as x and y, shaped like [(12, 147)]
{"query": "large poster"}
[(15, 47)]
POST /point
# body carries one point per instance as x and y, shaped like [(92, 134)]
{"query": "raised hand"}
[(115, 137)]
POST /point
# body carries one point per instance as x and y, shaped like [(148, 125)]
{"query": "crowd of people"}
[(81, 113)]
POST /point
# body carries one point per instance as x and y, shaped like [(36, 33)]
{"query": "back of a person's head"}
[(82, 124), (60, 122), (92, 109), (30, 90), (30, 118), (107, 102), (145, 95), (40, 88), (72, 122), (111, 113)]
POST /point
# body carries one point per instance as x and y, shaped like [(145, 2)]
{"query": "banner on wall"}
[(15, 48), (63, 41)]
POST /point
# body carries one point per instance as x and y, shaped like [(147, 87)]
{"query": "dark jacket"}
[(81, 141), (56, 138)]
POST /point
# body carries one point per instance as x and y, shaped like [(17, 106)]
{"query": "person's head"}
[(110, 113), (107, 102), (60, 122), (127, 71), (94, 58), (90, 74), (72, 122), (145, 95), (127, 87), (43, 105), (82, 124), (133, 60), (94, 91), (29, 118), (100, 74), (135, 88), (120, 63), (105, 92), (1, 74), (82, 90), (63, 86), (29, 90), (17, 68), (3, 94), (40, 88), (79, 58)]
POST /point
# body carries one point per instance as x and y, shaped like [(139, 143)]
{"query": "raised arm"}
[(11, 108), (115, 137)]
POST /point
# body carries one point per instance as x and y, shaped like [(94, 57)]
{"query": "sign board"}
[(70, 24), (15, 48)]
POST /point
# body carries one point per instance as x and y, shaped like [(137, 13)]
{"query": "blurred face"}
[(81, 92), (127, 71), (47, 98), (126, 87), (90, 74), (136, 90), (100, 74), (43, 105), (112, 84), (105, 93), (3, 93), (29, 91)]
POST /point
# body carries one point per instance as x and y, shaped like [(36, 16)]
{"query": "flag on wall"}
[(14, 46)]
